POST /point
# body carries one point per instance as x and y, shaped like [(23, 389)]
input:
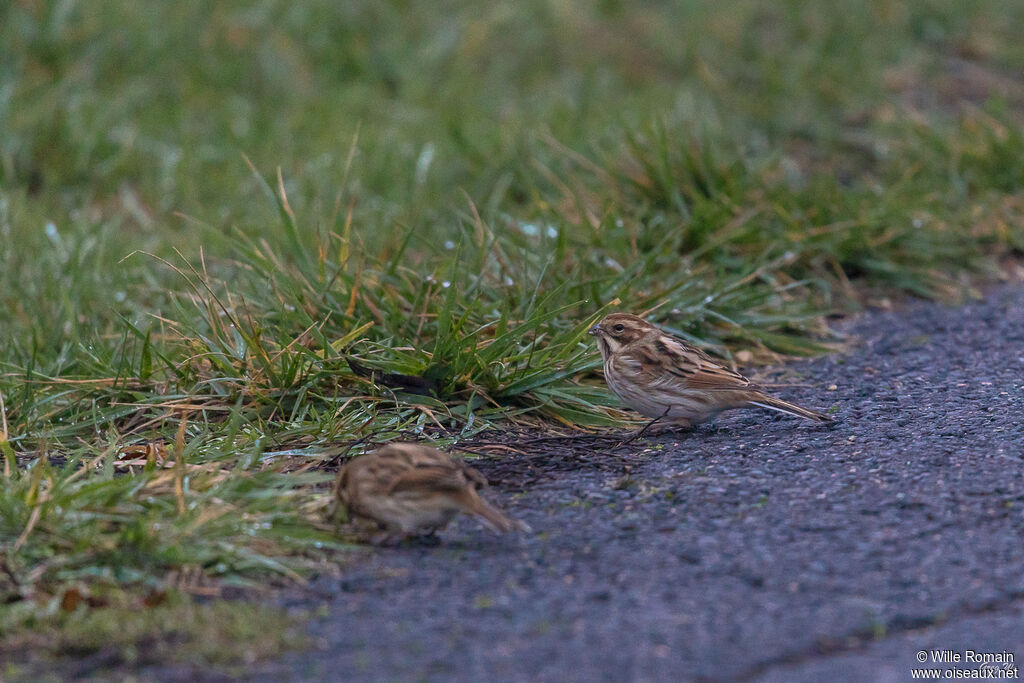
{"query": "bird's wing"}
[(665, 360)]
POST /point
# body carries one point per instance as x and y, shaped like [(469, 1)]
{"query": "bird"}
[(412, 489), (663, 377)]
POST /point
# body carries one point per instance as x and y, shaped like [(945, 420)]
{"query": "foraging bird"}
[(663, 377), (412, 489)]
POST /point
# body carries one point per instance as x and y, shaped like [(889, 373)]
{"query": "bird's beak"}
[(595, 330)]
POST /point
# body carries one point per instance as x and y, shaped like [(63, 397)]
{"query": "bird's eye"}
[(619, 328)]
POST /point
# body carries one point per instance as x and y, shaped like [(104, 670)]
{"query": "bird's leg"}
[(428, 538), (643, 430), (387, 537)]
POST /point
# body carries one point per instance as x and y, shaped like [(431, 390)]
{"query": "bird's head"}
[(618, 329)]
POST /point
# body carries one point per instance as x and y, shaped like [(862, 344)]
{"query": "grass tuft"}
[(107, 631)]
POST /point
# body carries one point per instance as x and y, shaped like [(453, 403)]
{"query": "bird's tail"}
[(492, 517), (772, 403)]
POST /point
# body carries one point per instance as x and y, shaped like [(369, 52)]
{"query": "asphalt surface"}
[(759, 548)]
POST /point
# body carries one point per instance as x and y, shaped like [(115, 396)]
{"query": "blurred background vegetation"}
[(124, 127), (208, 209)]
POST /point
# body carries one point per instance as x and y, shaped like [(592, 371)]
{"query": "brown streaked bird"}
[(665, 378), (410, 489)]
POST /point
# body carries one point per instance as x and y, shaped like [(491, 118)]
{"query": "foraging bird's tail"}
[(772, 403), (492, 518)]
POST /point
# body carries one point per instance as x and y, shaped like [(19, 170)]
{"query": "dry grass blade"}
[(35, 497), (10, 462)]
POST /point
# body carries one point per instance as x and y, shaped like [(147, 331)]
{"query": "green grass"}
[(157, 630), (205, 212)]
